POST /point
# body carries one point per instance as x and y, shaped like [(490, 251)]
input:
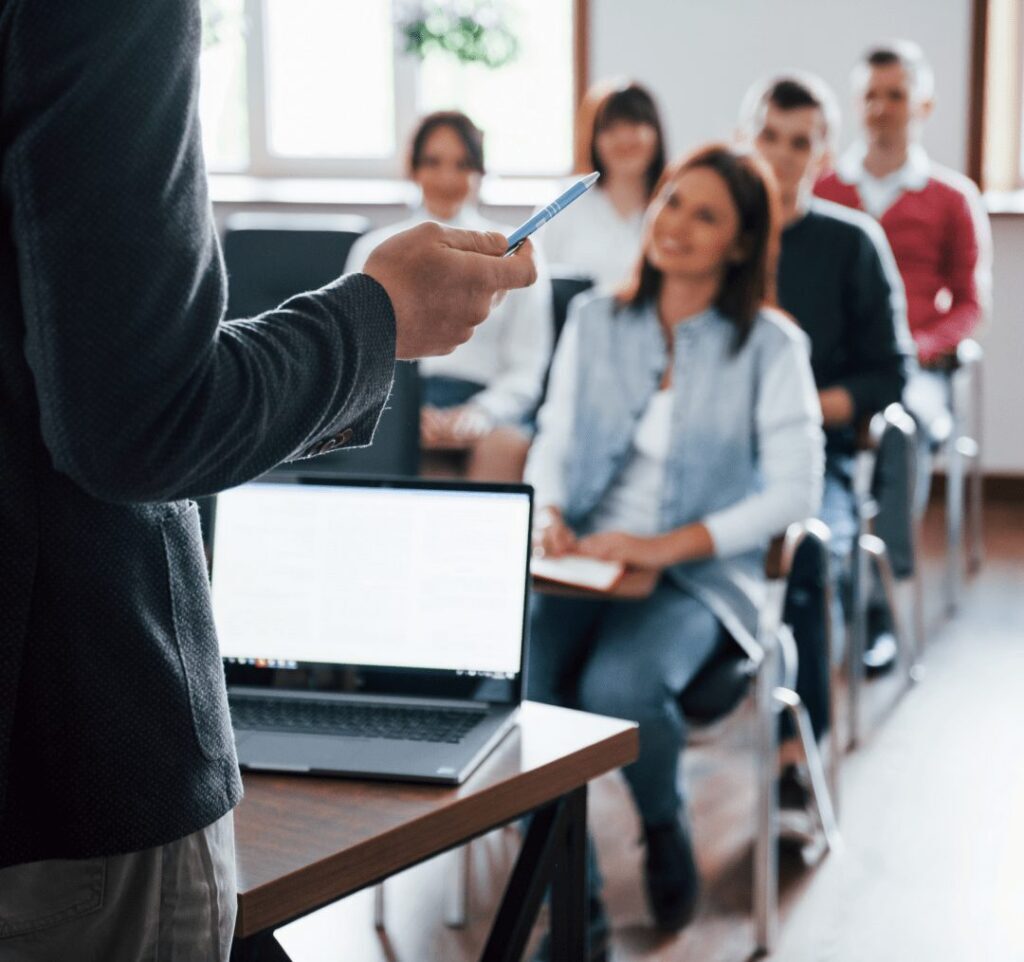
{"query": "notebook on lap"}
[(371, 627)]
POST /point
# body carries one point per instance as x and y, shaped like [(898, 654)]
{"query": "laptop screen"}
[(401, 576)]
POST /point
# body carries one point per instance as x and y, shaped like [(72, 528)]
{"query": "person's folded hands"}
[(452, 427)]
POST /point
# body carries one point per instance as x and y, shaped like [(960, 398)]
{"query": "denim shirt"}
[(713, 459)]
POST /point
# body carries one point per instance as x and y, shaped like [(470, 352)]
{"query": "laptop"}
[(371, 627)]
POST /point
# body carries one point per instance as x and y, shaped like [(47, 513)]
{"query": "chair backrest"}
[(893, 483), (270, 256), (564, 287), (720, 686)]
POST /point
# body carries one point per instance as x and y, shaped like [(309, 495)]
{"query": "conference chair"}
[(733, 675), (565, 285), (886, 549), (268, 258), (964, 495), (271, 256)]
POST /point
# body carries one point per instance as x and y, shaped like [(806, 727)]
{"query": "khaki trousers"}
[(173, 903)]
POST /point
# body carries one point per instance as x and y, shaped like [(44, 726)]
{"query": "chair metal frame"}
[(775, 692), (872, 553), (964, 479)]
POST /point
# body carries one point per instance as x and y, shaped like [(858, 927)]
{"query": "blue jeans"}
[(626, 659)]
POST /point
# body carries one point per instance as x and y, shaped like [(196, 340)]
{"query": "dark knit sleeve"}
[(145, 393), (878, 339)]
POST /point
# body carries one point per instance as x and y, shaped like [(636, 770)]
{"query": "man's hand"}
[(442, 282)]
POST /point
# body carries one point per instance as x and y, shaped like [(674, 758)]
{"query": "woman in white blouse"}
[(680, 433), (618, 132), (481, 395)]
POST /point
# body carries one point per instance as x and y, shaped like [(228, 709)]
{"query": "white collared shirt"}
[(509, 351), (878, 194), (591, 237)]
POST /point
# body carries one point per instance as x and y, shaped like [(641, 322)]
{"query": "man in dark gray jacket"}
[(123, 393)]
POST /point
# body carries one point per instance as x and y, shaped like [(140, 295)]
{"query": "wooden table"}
[(304, 842)]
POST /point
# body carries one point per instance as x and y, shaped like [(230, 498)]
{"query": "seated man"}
[(837, 278), (933, 217), (481, 396)]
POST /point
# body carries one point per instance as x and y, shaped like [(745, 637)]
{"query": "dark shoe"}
[(882, 649), (798, 825), (673, 884), (598, 936)]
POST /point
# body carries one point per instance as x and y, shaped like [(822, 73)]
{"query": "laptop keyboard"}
[(445, 725)]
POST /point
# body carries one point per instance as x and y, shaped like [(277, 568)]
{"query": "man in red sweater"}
[(936, 225), (933, 217)]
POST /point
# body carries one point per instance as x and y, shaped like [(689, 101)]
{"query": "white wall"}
[(1003, 341), (699, 57)]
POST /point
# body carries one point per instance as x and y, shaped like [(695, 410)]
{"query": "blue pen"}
[(516, 238)]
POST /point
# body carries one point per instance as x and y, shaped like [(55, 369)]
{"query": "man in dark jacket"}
[(123, 394), (838, 279)]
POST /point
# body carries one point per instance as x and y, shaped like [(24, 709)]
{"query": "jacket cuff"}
[(370, 335)]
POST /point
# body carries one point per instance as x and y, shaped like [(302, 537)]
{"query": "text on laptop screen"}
[(403, 577)]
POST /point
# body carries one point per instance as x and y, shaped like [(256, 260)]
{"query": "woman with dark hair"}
[(681, 432), (478, 397), (618, 133)]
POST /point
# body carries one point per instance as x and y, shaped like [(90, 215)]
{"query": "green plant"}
[(472, 31)]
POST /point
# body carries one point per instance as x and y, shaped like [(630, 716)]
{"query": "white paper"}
[(578, 570)]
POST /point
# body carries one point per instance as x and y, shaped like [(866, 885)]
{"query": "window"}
[(996, 149), (322, 88)]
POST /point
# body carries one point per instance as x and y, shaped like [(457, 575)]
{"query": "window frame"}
[(263, 163), (995, 142)]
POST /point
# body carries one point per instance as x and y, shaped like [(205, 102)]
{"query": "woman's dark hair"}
[(749, 284), (602, 106), (472, 137)]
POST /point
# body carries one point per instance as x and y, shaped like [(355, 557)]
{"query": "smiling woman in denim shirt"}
[(681, 432)]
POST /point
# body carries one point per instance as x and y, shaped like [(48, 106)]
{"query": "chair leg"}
[(834, 750), (954, 518), (856, 645), (766, 869), (920, 638), (790, 702), (378, 906), (976, 550), (456, 908), (875, 549), (976, 514)]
